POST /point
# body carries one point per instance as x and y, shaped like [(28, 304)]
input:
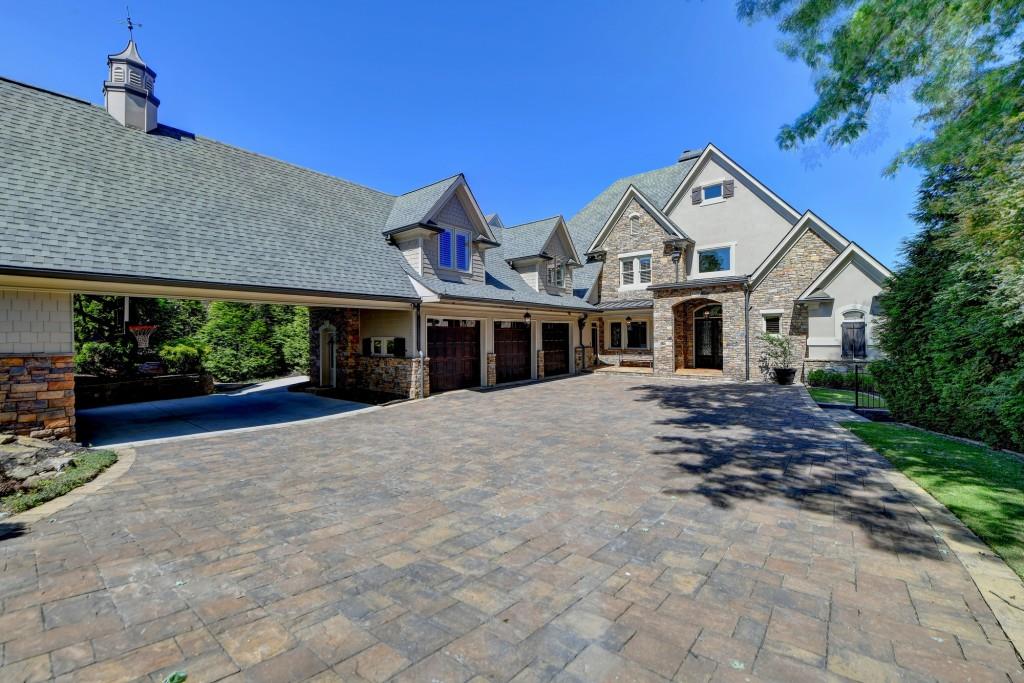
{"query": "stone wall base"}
[(398, 376), (37, 395), (841, 365)]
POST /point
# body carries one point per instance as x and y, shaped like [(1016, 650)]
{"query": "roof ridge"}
[(539, 220), (423, 187), (47, 91)]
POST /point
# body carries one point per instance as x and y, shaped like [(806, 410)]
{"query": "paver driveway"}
[(594, 528)]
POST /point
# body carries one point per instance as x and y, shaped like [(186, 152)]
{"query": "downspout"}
[(746, 330), (419, 344)]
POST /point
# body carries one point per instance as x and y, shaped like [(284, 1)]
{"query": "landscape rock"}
[(25, 461)]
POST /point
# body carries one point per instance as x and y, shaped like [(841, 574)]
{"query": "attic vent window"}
[(118, 74), (772, 324), (634, 225), (135, 78)]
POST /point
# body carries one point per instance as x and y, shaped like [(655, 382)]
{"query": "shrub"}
[(778, 351), (183, 357), (103, 358), (834, 379)]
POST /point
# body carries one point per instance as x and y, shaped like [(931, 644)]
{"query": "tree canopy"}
[(954, 324)]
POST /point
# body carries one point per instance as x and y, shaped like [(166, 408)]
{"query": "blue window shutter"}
[(461, 251), (444, 242)]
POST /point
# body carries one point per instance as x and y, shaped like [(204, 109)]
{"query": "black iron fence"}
[(865, 394)]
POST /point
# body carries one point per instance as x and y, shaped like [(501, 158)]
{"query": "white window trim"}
[(455, 259), (631, 218), (771, 313), (715, 200), (635, 256), (383, 344), (553, 272), (838, 316), (696, 274)]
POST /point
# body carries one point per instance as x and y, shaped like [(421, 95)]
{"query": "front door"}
[(511, 350), (453, 347), (555, 337), (707, 341)]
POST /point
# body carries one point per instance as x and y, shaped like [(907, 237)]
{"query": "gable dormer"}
[(441, 231), (543, 254), (640, 246)]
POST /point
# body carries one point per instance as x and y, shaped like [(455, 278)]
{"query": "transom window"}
[(453, 249), (635, 270), (714, 260), (712, 191)]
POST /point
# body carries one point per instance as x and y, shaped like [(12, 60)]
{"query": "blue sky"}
[(540, 104)]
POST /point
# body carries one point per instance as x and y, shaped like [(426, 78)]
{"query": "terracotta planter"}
[(785, 375)]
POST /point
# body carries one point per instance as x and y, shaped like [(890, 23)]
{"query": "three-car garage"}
[(459, 350)]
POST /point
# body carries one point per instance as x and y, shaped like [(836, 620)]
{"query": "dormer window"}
[(453, 249), (556, 276)]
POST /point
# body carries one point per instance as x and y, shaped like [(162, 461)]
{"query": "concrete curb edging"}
[(125, 459), (1001, 588)]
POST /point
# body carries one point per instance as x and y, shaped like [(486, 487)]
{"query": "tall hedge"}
[(954, 345)]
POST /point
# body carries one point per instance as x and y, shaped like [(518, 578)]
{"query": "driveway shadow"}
[(737, 443)]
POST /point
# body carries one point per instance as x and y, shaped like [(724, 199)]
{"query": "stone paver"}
[(598, 528)]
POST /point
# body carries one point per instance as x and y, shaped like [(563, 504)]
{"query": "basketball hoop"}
[(142, 334)]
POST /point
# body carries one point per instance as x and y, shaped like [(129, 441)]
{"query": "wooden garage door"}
[(453, 347), (511, 350), (556, 348)]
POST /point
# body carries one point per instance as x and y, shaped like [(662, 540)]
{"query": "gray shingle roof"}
[(502, 284), (527, 239), (657, 185), (413, 207), (81, 194)]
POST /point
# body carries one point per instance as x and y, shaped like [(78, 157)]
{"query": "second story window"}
[(453, 249), (556, 276), (715, 260), (635, 270)]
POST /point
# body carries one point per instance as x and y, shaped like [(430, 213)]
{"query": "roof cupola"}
[(128, 90)]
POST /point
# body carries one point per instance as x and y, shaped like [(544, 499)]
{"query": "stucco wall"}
[(746, 218), (35, 322), (852, 290), (388, 324)]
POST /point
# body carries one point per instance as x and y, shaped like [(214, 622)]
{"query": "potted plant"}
[(779, 357)]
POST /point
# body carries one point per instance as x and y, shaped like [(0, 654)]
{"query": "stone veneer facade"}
[(672, 339), (385, 374), (778, 291), (650, 236), (37, 395)]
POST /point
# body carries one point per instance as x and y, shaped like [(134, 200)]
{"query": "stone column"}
[(540, 364), (579, 359), (492, 369), (664, 335), (37, 395)]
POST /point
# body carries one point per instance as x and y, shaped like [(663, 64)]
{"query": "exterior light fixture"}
[(629, 318), (527, 317), (676, 255)]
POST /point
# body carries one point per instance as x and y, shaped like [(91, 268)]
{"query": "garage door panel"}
[(555, 338), (511, 351), (453, 347)]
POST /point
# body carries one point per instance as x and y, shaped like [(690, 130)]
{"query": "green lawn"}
[(88, 464), (826, 395), (984, 488)]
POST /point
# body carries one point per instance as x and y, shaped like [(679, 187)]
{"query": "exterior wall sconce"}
[(527, 317), (676, 256)]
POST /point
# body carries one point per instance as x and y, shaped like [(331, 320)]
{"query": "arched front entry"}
[(698, 334)]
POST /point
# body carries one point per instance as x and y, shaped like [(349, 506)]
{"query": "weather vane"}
[(129, 23)]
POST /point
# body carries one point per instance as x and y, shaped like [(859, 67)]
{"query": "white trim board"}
[(854, 254), (809, 221)]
